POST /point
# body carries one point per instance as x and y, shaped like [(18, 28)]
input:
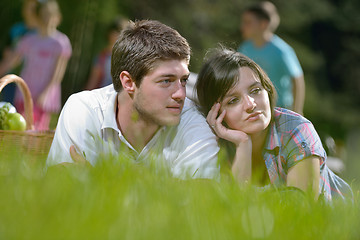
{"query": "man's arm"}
[(299, 94), (75, 126)]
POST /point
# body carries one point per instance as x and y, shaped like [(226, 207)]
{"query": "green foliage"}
[(119, 199)]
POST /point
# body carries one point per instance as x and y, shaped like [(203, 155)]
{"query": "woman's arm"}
[(10, 61), (56, 79), (305, 175), (241, 165)]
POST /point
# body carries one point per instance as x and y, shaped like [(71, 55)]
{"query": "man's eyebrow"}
[(187, 75), (174, 75)]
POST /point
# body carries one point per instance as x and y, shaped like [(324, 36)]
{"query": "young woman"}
[(44, 54), (272, 145)]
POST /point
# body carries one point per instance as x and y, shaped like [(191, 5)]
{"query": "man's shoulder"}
[(190, 111), (192, 121), (280, 45), (97, 98)]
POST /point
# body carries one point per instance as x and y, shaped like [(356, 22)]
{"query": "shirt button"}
[(303, 144)]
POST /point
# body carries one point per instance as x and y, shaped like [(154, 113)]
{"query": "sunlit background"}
[(324, 33)]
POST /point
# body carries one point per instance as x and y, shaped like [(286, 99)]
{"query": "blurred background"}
[(324, 33)]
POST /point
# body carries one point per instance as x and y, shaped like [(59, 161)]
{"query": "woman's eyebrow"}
[(255, 84), (230, 94)]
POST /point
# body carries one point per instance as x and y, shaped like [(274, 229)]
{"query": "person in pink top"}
[(100, 75), (45, 55)]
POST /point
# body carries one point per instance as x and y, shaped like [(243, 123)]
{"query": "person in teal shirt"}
[(273, 54)]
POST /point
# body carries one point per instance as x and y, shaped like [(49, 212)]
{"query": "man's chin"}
[(172, 122)]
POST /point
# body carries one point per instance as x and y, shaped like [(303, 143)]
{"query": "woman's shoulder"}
[(61, 39), (286, 120)]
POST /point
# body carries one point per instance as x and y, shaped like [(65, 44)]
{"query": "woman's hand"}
[(235, 136)]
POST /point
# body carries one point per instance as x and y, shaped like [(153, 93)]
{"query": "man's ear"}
[(127, 82), (265, 24)]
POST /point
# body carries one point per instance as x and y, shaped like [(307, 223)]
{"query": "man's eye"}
[(165, 81), (184, 82)]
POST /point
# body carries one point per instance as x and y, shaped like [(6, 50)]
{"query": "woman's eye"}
[(232, 101), (256, 90)]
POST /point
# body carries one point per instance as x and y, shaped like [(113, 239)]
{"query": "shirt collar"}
[(110, 112)]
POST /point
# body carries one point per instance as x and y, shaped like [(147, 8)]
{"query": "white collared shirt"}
[(88, 121)]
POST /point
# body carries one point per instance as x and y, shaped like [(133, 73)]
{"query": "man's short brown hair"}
[(266, 10), (140, 45)]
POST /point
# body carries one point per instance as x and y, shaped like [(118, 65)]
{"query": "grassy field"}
[(120, 199)]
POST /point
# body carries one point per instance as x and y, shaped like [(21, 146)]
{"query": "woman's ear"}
[(127, 82)]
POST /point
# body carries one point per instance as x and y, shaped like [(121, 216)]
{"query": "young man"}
[(144, 113), (275, 56)]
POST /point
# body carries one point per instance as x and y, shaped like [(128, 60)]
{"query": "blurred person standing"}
[(17, 31), (275, 56), (45, 55), (100, 75)]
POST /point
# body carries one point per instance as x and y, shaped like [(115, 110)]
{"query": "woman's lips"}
[(253, 117)]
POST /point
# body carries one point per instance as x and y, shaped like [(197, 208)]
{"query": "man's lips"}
[(175, 108)]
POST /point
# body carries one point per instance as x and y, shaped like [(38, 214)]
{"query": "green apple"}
[(15, 121)]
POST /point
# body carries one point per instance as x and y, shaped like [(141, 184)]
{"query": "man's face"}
[(251, 26), (160, 98)]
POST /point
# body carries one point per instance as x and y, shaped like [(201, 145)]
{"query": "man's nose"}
[(179, 92)]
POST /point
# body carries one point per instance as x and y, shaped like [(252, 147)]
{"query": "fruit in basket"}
[(15, 121), (4, 110), (10, 119), (8, 107)]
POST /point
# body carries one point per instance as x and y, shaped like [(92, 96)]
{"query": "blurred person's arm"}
[(11, 60), (299, 94), (95, 75), (55, 80)]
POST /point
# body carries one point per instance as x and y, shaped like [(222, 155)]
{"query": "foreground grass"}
[(124, 200)]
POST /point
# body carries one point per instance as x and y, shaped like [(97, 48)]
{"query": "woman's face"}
[(49, 16), (29, 13), (247, 104)]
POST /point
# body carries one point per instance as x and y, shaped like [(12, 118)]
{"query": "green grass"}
[(123, 200)]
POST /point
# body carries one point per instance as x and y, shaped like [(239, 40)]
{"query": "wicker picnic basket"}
[(29, 141)]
